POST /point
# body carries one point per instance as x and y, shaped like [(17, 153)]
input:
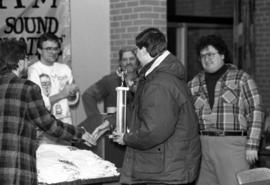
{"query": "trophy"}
[(121, 105), (120, 127)]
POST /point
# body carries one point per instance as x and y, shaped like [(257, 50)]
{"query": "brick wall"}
[(217, 8), (262, 49), (129, 17)]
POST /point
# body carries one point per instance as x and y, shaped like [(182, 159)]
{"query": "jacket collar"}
[(157, 62)]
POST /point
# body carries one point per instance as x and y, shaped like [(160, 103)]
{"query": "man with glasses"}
[(63, 91), (229, 108)]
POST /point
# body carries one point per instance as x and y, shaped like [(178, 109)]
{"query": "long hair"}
[(126, 49), (11, 52)]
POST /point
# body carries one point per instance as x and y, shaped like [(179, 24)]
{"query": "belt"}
[(223, 133)]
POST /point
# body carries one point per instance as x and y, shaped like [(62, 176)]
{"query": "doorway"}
[(188, 20), (183, 38)]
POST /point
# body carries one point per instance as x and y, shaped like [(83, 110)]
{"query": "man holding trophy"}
[(159, 128)]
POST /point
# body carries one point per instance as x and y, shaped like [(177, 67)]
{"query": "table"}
[(87, 182), (57, 164)]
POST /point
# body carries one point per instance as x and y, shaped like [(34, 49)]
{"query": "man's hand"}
[(118, 137), (101, 129), (70, 90), (73, 89), (89, 139), (251, 156)]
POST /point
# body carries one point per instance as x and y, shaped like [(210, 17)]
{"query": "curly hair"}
[(217, 42)]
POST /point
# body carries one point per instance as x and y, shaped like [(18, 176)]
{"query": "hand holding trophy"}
[(118, 137), (120, 126), (121, 107)]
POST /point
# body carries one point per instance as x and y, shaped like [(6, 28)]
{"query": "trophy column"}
[(121, 109)]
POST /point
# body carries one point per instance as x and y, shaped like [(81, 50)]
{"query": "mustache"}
[(129, 67)]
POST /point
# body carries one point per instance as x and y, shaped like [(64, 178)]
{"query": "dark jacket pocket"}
[(150, 161)]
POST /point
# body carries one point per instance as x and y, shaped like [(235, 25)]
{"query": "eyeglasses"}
[(55, 49), (207, 55)]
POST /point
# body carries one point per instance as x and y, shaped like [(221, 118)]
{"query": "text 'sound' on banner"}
[(27, 19)]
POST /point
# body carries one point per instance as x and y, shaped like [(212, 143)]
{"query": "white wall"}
[(90, 44)]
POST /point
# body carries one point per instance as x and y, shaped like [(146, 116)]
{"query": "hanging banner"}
[(27, 19)]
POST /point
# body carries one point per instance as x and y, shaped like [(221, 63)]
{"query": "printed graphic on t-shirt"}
[(53, 80), (58, 109), (46, 84), (63, 80)]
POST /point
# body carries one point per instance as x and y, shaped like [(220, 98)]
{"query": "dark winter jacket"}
[(163, 144)]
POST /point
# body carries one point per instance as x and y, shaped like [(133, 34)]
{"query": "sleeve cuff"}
[(74, 100)]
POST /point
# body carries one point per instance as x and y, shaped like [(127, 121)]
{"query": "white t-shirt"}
[(51, 80)]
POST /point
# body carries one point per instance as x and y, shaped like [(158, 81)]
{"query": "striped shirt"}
[(237, 104)]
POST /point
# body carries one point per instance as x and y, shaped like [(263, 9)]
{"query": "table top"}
[(86, 182)]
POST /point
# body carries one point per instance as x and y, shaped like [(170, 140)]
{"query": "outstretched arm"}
[(43, 119)]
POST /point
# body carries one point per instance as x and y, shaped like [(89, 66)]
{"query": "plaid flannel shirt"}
[(22, 110), (237, 105)]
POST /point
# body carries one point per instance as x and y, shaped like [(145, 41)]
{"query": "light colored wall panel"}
[(90, 43)]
